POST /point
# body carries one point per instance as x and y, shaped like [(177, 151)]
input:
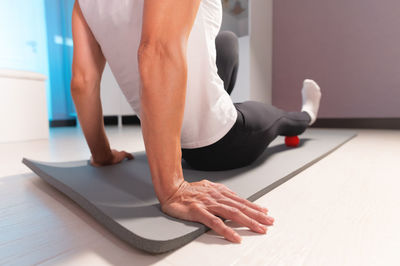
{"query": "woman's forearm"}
[(87, 67), (162, 61), (163, 73), (88, 107)]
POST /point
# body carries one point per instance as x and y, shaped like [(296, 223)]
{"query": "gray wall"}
[(350, 47)]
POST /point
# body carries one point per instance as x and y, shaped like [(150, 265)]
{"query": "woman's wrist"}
[(165, 191), (103, 157)]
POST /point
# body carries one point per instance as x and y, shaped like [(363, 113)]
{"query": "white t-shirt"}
[(209, 111)]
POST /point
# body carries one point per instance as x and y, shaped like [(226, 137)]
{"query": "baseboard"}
[(63, 123), (130, 120), (366, 123), (110, 120)]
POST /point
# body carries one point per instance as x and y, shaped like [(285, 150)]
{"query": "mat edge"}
[(148, 245)]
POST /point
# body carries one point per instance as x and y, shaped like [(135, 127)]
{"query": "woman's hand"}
[(203, 201), (114, 158)]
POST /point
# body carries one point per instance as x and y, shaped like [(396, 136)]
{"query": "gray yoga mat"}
[(121, 197)]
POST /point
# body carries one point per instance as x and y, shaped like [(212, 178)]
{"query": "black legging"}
[(257, 124)]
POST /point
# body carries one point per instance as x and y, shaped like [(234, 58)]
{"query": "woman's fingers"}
[(117, 157), (121, 155), (259, 216), (244, 201), (129, 156), (203, 216), (236, 215), (228, 192)]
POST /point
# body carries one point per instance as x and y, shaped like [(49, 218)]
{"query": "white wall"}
[(243, 26), (112, 99), (234, 21), (261, 50), (241, 92), (23, 112), (240, 26)]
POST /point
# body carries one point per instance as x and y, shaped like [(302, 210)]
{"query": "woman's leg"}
[(260, 117), (227, 46), (257, 125), (263, 123)]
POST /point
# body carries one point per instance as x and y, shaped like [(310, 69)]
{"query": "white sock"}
[(311, 93)]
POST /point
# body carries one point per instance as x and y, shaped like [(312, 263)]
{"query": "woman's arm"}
[(163, 71), (87, 68)]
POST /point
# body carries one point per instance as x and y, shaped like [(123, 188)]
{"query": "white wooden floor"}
[(344, 210)]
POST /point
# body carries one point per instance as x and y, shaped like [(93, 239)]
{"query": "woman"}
[(163, 56)]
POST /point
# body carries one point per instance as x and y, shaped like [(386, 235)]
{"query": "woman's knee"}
[(84, 83), (227, 45)]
